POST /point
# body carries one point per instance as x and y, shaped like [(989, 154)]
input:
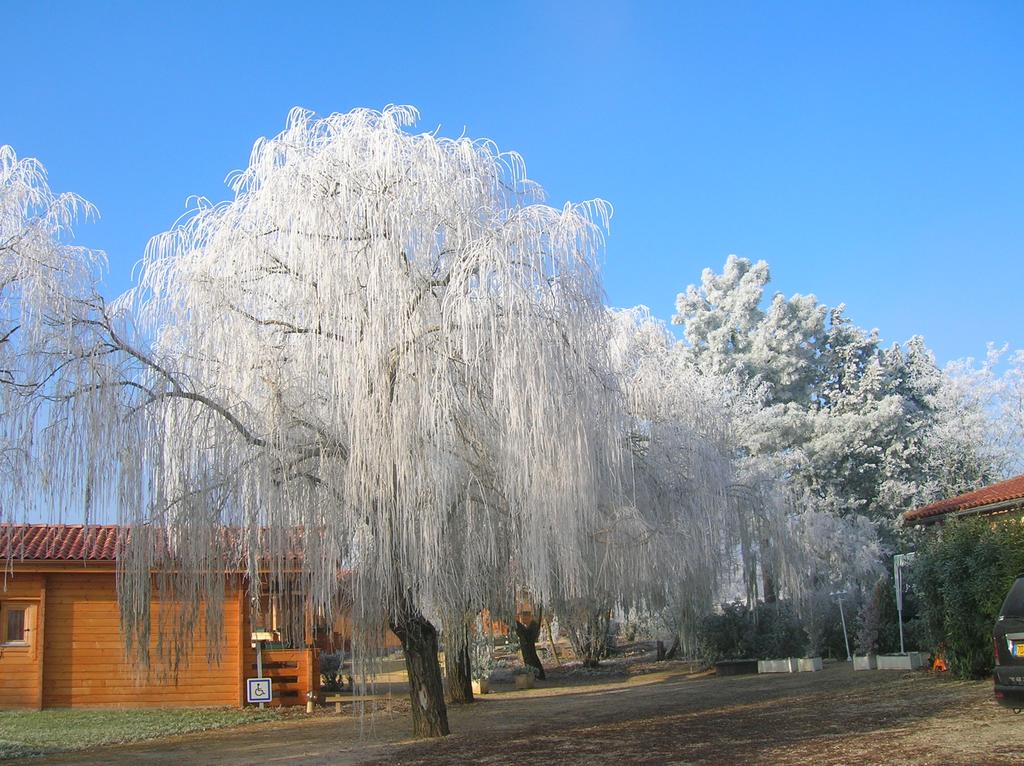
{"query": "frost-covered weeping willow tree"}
[(668, 545), (684, 467), (46, 285), (382, 355), (699, 515)]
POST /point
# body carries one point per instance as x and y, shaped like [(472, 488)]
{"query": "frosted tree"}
[(981, 432), (674, 542), (850, 421), (383, 353), (728, 331), (825, 554), (45, 283)]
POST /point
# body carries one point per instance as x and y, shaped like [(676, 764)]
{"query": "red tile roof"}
[(77, 542), (59, 542), (1004, 491)]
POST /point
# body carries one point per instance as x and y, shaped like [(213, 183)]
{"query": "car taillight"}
[(995, 648)]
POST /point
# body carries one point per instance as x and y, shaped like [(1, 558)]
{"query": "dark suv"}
[(1008, 640)]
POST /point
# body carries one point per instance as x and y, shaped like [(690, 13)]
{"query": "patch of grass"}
[(44, 732)]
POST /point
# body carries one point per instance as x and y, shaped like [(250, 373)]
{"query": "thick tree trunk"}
[(528, 635), (770, 594), (419, 644), (458, 671), (673, 650)]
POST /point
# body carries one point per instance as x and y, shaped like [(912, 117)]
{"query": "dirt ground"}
[(633, 716)]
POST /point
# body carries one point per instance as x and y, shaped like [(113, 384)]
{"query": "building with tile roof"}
[(1005, 498), (61, 643), (60, 542)]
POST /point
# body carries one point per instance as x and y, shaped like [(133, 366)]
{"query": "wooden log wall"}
[(84, 663), (75, 655), (20, 681)]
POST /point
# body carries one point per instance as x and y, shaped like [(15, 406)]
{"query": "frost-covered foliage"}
[(983, 429), (855, 426), (681, 454), (836, 552), (728, 331), (698, 511), (45, 283), (826, 554), (860, 431), (385, 352), (41, 274)]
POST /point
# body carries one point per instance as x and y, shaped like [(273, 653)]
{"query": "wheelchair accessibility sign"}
[(258, 690)]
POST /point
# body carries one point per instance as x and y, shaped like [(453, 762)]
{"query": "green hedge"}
[(767, 631), (961, 575)]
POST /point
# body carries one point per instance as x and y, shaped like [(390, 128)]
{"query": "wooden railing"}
[(295, 672)]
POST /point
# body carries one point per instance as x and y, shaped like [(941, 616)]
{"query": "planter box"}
[(865, 662), (908, 661), (482, 686), (735, 667), (808, 664), (788, 665), (524, 680)]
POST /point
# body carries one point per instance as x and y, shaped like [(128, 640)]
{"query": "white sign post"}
[(258, 690), (258, 638)]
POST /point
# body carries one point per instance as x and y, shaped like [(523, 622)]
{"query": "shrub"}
[(877, 627), (824, 624), (889, 618), (766, 631), (869, 620), (331, 667), (728, 635), (779, 632), (961, 576)]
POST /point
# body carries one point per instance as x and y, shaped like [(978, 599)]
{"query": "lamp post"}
[(899, 561), (838, 595)]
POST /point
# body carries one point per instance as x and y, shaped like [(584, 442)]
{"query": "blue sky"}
[(870, 152)]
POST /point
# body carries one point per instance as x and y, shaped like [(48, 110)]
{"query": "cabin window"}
[(15, 623)]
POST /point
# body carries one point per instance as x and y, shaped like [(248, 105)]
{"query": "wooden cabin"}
[(61, 642)]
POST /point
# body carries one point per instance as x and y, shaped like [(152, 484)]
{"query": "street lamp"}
[(838, 595), (899, 561)]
